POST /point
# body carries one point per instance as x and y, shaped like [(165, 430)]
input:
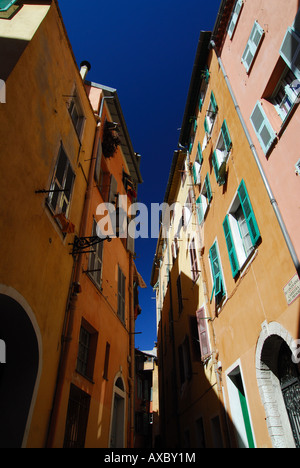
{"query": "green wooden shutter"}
[(262, 127), (6, 4), (194, 173), (200, 104), (248, 213), (206, 127), (213, 102), (199, 154), (290, 51), (208, 188), (216, 269), (215, 164), (230, 247), (199, 208), (226, 136)]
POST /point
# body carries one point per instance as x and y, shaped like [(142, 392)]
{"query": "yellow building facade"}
[(191, 411)]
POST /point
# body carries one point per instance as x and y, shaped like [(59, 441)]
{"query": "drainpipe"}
[(273, 201), (131, 354), (72, 298)]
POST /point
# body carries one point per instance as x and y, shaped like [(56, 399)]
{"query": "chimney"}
[(85, 67)]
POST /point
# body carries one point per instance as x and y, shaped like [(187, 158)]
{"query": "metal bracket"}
[(80, 244)]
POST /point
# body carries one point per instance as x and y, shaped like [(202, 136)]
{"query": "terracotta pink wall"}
[(274, 17)]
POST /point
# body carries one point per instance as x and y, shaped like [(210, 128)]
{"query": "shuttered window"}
[(185, 364), (194, 262), (290, 51), (121, 295), (248, 213), (197, 165), (211, 115), (220, 155), (199, 208), (203, 334), (235, 17), (252, 46), (231, 247), (95, 259), (218, 287), (263, 128), (62, 185), (208, 188), (240, 230), (112, 190), (204, 199)]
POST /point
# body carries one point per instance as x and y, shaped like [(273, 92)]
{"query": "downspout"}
[(72, 298), (273, 201), (132, 355)]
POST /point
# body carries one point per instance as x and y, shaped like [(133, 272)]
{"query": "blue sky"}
[(146, 50)]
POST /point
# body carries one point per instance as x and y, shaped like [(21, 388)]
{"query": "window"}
[(106, 361), (185, 365), (76, 114), (187, 209), (179, 293), (113, 190), (77, 418), (297, 166), (197, 165), (95, 259), (221, 154), (235, 17), (62, 185), (204, 199), (290, 51), (286, 94), (88, 338), (183, 173), (263, 128), (211, 115), (241, 230), (203, 334), (200, 433), (218, 282), (194, 262), (121, 295), (252, 46)]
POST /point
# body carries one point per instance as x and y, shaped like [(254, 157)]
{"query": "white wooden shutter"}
[(252, 45), (203, 333), (235, 17), (262, 127)]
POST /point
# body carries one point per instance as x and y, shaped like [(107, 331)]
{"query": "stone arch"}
[(267, 351), (20, 374)]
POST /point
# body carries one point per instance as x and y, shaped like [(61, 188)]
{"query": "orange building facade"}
[(69, 301), (99, 361)]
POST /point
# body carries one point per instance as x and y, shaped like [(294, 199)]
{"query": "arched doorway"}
[(278, 382), (117, 431), (288, 375), (18, 375)]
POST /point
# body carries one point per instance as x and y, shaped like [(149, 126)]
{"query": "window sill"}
[(89, 379)]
